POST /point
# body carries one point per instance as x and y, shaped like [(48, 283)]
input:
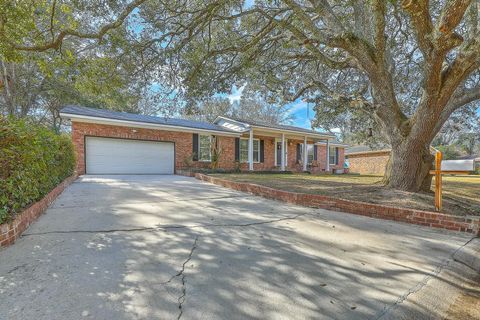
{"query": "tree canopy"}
[(249, 107), (401, 68)]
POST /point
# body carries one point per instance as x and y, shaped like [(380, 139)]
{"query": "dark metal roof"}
[(281, 127), (475, 157), (108, 114)]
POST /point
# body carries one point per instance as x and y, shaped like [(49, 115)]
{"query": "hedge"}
[(33, 161)]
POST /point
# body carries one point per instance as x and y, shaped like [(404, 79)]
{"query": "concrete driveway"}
[(170, 247)]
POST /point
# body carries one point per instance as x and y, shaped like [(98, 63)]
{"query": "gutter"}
[(146, 125)]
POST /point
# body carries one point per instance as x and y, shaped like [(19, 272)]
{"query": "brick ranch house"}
[(365, 160), (108, 142)]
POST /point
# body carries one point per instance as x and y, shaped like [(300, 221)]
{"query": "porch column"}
[(250, 151), (327, 167), (282, 161), (305, 153)]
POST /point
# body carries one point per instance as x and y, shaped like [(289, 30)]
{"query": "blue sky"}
[(303, 113)]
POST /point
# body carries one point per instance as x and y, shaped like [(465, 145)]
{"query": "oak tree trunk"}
[(408, 167)]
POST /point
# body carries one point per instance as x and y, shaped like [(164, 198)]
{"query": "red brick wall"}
[(469, 224), (183, 147), (368, 163), (268, 153), (291, 163), (322, 159), (183, 142)]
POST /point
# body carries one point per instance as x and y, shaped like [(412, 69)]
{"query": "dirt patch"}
[(460, 196)]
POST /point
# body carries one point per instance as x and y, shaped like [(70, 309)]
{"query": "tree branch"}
[(422, 23), (460, 99), (57, 42), (452, 14)]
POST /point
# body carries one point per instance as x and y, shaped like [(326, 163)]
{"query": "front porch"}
[(261, 149)]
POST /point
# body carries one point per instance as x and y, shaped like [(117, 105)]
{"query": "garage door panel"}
[(122, 156)]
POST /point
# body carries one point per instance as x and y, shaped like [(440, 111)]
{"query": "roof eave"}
[(140, 124), (335, 144), (301, 133), (369, 151)]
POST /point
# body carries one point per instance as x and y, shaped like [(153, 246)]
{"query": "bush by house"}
[(33, 161)]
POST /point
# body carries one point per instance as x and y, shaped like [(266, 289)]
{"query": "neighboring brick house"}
[(367, 160), (109, 142)]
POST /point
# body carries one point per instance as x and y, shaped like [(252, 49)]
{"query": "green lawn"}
[(461, 194)]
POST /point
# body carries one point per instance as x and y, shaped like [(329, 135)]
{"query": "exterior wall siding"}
[(368, 163), (183, 143), (183, 148), (268, 155)]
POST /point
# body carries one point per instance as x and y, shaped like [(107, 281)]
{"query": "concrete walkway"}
[(170, 247)]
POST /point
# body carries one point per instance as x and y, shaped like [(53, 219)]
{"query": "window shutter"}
[(336, 155), (315, 152), (195, 147), (299, 150), (262, 148), (237, 149)]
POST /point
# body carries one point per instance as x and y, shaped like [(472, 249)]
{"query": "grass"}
[(461, 194)]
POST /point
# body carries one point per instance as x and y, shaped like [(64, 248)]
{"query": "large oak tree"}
[(407, 65)]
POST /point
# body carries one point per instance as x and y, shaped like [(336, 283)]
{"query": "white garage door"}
[(121, 156)]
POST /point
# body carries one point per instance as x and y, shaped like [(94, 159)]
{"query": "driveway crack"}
[(420, 285), (169, 227), (182, 274)]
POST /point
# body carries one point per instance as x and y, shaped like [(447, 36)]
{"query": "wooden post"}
[(438, 180)]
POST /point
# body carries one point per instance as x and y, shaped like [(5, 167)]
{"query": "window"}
[(310, 150), (244, 150), (204, 148), (333, 155)]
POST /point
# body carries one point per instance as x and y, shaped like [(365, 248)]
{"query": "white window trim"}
[(334, 155), (240, 151), (209, 151), (309, 147)]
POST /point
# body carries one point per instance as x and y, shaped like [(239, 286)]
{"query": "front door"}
[(278, 153)]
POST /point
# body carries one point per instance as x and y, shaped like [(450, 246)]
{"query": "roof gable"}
[(240, 125)]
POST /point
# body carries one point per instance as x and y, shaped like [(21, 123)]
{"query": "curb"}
[(469, 255)]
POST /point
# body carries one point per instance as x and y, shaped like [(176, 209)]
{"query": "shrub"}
[(449, 152), (33, 161)]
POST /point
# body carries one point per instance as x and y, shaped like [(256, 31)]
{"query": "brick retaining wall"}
[(9, 232), (469, 224)]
